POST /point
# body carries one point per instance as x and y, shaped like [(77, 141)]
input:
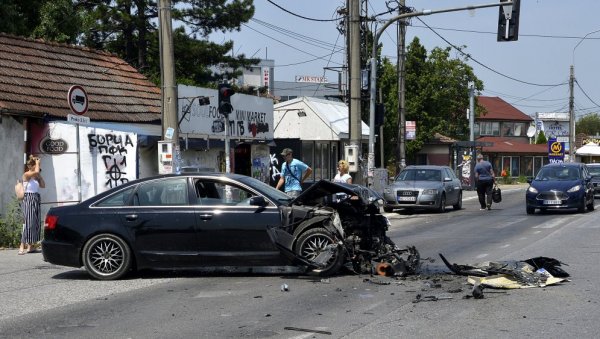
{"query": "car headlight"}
[(430, 192), (532, 189), (574, 189)]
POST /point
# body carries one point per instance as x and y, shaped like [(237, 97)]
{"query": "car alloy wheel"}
[(106, 257), (314, 241)]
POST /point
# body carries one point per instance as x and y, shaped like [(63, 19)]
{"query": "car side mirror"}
[(447, 179), (258, 201)]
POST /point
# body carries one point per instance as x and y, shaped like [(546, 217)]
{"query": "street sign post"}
[(78, 102)]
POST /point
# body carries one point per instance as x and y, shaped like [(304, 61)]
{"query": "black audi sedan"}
[(224, 223), (560, 186)]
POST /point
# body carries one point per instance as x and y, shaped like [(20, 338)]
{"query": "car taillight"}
[(50, 222)]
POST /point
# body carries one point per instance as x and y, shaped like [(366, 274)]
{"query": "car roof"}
[(565, 164), (425, 167)]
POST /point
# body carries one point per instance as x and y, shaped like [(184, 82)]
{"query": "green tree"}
[(437, 96), (589, 124), (541, 138), (129, 29)]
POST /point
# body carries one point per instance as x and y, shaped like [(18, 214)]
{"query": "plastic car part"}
[(383, 269), (106, 257)]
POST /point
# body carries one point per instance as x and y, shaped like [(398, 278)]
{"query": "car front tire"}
[(106, 257), (442, 207), (458, 204), (530, 210), (312, 242)]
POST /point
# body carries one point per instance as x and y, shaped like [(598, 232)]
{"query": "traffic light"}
[(508, 21), (225, 93)]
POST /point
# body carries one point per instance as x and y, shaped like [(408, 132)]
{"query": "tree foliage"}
[(589, 125), (437, 96), (541, 138), (129, 29)]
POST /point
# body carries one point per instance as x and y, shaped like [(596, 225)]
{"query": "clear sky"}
[(532, 73)]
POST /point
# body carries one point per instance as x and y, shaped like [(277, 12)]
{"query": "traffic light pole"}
[(373, 79)]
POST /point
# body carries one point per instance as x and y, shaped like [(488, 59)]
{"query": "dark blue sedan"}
[(561, 186)]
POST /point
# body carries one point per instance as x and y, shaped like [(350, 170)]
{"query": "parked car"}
[(560, 186), (224, 222), (594, 169), (424, 187)]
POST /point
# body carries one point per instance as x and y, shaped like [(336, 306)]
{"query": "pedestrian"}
[(484, 179), (32, 182), (293, 173), (342, 175)]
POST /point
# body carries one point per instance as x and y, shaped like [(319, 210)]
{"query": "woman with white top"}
[(32, 182), (342, 175)]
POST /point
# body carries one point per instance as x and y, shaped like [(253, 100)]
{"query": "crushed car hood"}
[(322, 189)]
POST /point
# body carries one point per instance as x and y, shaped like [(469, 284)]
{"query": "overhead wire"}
[(301, 16), (485, 66)]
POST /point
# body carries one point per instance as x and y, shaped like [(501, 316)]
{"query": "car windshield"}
[(558, 173), (594, 170), (267, 190), (414, 174)]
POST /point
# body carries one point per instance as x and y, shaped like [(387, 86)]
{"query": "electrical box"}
[(351, 155), (165, 157)]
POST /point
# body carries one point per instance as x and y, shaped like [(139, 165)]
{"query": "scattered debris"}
[(306, 330), (419, 298), (376, 281), (534, 272), (325, 281), (285, 288), (477, 291)]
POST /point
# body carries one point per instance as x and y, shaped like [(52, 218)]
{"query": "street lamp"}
[(572, 147), (373, 79)]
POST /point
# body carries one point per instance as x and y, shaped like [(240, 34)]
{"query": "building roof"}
[(513, 145), (35, 77), (498, 109), (327, 119)]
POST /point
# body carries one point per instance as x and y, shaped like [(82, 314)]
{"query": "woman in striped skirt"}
[(32, 181)]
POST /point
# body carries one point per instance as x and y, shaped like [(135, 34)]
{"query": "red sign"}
[(78, 100)]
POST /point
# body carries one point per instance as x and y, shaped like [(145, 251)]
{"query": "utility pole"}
[(571, 116), (170, 128), (355, 86), (401, 137), (471, 85)]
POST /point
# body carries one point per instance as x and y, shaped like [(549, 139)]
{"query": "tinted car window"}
[(118, 199), (166, 192), (594, 170), (558, 173), (420, 175), (218, 193)]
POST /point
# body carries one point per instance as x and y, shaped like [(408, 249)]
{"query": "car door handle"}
[(206, 216), (131, 217)]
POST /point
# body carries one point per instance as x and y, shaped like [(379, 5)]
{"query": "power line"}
[(297, 36), (586, 95), (485, 66), (495, 33), (300, 16), (298, 49)]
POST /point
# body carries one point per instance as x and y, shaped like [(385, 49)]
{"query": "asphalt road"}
[(43, 300)]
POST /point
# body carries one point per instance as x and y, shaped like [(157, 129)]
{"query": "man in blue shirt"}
[(293, 173), (484, 180)]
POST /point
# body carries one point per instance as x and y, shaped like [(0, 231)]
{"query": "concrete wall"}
[(11, 153)]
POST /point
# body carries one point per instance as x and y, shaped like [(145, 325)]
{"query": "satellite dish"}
[(531, 131)]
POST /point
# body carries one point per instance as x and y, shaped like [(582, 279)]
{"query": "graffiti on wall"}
[(275, 174), (112, 149)]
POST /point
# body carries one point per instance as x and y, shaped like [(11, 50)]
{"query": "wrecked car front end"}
[(330, 226)]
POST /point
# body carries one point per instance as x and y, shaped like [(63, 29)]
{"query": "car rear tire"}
[(458, 204), (312, 242), (530, 210), (442, 207), (106, 257)]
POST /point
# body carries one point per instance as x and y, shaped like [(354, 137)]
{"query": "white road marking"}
[(505, 246)]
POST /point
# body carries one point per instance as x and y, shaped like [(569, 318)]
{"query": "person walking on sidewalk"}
[(293, 174), (484, 181)]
